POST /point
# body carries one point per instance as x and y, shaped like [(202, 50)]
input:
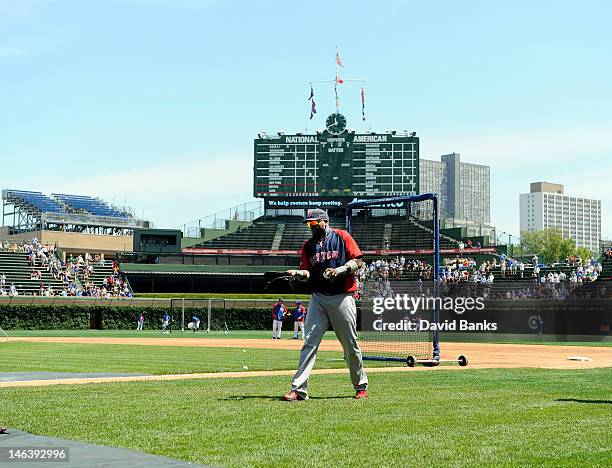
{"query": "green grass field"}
[(468, 417), (73, 357), (443, 417)]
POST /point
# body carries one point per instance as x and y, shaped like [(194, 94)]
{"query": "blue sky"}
[(157, 102)]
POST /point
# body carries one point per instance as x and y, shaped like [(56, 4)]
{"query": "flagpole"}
[(336, 85), (336, 82), (363, 101)]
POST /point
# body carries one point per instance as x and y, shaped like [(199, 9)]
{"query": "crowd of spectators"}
[(393, 269), (476, 279), (72, 273), (381, 271)]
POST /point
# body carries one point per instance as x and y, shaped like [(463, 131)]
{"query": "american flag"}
[(338, 59)]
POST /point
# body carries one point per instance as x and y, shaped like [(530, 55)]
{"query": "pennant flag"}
[(339, 80), (338, 59), (313, 107), (362, 103)]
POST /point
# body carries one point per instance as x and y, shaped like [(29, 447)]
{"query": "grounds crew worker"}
[(329, 260)]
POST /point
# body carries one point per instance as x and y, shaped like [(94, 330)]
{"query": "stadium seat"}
[(86, 204)]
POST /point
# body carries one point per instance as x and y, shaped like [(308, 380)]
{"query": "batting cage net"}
[(400, 282), (394, 330)]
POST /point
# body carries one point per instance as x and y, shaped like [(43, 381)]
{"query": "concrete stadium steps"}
[(16, 268), (294, 236), (101, 270)]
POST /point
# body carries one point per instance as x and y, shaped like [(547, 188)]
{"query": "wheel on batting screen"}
[(410, 361), (462, 360)]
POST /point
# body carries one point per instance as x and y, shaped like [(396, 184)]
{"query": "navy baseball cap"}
[(316, 214)]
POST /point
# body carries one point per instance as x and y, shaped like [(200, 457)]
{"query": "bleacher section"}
[(294, 236), (25, 211), (101, 270), (369, 236), (33, 202), (256, 236), (409, 235), (395, 233), (36, 203), (95, 206), (17, 269)]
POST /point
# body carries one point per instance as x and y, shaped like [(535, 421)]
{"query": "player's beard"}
[(317, 232)]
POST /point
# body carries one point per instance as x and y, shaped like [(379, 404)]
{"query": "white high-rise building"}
[(578, 218)]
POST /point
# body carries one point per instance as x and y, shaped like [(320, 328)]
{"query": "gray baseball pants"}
[(341, 311)]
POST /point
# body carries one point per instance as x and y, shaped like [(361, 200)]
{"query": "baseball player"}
[(140, 322), (196, 324), (299, 314), (166, 323), (278, 312), (329, 260)]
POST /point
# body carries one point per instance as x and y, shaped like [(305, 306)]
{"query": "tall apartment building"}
[(547, 206), (464, 188)]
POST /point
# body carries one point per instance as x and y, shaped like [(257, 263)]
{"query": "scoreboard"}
[(336, 162)]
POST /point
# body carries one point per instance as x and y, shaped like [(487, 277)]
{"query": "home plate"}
[(579, 358)]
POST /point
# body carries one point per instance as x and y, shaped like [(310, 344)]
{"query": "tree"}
[(549, 245), (583, 253)]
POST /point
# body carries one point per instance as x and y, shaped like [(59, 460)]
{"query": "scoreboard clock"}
[(336, 162)]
